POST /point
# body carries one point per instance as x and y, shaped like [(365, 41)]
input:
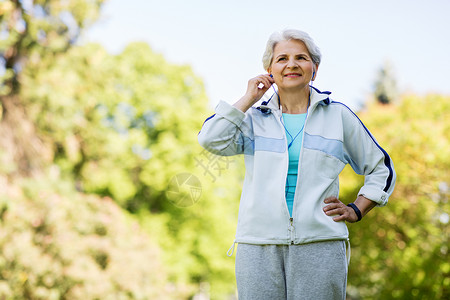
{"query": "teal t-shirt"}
[(293, 124)]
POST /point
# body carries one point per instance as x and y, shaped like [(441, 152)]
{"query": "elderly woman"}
[(291, 227)]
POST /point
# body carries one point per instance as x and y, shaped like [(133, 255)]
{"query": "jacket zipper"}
[(291, 220)]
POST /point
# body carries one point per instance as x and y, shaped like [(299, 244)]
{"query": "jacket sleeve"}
[(367, 158), (227, 132)]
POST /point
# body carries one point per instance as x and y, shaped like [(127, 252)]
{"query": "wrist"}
[(364, 204), (356, 210)]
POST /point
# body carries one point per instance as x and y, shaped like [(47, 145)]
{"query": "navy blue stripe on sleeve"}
[(208, 118), (387, 159)]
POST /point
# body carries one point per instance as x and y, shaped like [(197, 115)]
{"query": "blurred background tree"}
[(32, 31), (123, 126), (401, 251), (115, 126), (385, 87), (56, 243)]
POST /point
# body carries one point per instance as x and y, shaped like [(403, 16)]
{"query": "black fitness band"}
[(357, 211)]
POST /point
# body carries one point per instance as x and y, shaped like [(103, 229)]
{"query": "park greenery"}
[(94, 145)]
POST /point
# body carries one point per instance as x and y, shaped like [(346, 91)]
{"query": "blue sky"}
[(224, 41)]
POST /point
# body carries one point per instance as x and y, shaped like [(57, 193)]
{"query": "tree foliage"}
[(117, 126), (56, 243), (39, 28), (124, 126), (401, 251), (29, 32)]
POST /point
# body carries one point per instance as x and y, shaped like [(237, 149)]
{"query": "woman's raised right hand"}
[(256, 88)]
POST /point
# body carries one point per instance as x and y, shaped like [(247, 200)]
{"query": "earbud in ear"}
[(271, 75), (314, 74)]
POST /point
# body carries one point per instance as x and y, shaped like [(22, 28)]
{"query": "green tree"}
[(401, 251), (56, 243), (124, 126), (117, 126), (31, 31)]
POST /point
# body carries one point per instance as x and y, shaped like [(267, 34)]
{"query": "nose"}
[(292, 63)]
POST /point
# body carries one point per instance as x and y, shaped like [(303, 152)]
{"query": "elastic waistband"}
[(348, 253)]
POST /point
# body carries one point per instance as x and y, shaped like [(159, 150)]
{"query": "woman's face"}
[(292, 66)]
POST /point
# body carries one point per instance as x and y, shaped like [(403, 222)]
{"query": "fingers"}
[(332, 199), (257, 86), (338, 209), (268, 81), (261, 82), (345, 216)]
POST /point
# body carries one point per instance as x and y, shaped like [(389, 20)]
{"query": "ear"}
[(269, 70), (315, 68)]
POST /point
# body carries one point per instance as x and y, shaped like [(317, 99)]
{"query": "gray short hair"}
[(286, 35)]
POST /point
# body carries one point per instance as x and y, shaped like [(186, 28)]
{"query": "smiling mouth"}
[(292, 75)]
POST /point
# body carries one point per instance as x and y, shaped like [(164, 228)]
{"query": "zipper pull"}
[(292, 230)]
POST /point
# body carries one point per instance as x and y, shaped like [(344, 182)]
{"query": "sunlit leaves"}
[(401, 251), (59, 244), (123, 126)]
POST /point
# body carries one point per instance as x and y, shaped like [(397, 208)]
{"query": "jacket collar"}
[(317, 97)]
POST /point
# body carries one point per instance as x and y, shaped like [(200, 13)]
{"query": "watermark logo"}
[(184, 190), (212, 164)]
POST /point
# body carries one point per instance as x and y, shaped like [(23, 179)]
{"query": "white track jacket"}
[(333, 137)]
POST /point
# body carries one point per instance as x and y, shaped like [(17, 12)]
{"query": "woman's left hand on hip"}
[(338, 209)]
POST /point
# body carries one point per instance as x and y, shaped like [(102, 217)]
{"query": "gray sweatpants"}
[(309, 271)]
